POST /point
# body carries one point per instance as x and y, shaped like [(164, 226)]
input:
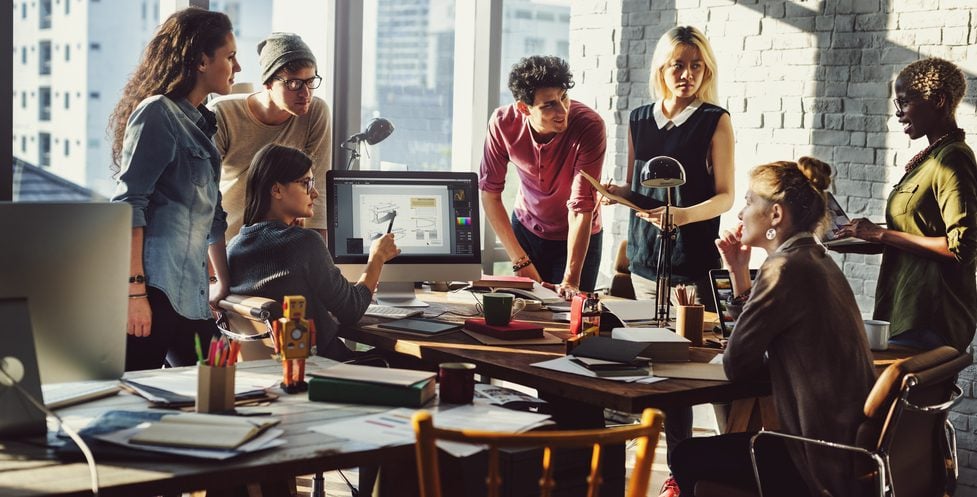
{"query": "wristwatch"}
[(139, 278)]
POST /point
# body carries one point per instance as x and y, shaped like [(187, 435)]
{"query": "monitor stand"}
[(398, 294), (18, 417)]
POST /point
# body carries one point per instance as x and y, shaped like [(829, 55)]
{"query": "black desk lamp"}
[(377, 130), (663, 172)]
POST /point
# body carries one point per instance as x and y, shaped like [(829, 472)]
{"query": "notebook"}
[(836, 219), (722, 289), (427, 327)]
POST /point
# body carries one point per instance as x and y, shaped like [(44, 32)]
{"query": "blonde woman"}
[(684, 122)]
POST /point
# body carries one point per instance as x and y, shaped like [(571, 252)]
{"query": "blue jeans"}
[(919, 339), (550, 256)]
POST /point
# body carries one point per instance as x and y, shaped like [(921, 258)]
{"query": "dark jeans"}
[(170, 337), (726, 459), (919, 339), (550, 256)]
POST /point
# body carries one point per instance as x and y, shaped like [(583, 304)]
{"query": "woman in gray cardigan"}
[(801, 326), (273, 257)]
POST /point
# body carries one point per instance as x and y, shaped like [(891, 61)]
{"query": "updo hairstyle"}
[(798, 186)]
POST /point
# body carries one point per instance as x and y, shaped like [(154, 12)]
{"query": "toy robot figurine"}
[(294, 338)]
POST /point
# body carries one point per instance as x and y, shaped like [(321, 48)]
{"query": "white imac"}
[(434, 217), (70, 261)]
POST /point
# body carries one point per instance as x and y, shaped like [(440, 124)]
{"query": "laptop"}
[(722, 289), (836, 219)]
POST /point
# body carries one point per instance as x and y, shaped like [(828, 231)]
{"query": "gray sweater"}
[(802, 314), (271, 260)]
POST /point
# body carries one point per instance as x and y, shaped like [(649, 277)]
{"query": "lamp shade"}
[(376, 131), (661, 172)]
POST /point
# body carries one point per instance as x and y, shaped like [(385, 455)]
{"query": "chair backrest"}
[(621, 285), (646, 434), (906, 414), (248, 319)]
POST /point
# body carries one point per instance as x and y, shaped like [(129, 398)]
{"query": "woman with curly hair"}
[(926, 286), (169, 171)]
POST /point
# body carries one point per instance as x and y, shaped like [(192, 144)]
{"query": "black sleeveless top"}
[(694, 252)]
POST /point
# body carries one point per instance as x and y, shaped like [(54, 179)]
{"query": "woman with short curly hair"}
[(926, 286)]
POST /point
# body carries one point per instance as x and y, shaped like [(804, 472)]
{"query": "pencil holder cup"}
[(688, 323), (215, 388)]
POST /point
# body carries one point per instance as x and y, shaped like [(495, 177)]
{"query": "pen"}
[(196, 346), (390, 225), (212, 352)]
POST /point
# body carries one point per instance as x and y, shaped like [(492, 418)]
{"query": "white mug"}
[(877, 333)]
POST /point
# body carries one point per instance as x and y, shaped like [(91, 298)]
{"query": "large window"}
[(408, 78)]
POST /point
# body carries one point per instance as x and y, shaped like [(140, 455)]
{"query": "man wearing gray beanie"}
[(283, 111)]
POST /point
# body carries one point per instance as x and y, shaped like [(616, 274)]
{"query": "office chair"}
[(646, 432), (905, 446), (248, 319)]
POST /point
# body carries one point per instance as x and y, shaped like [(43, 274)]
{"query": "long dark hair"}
[(169, 65), (272, 164)]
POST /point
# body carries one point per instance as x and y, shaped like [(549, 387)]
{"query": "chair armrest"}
[(936, 408), (244, 309), (881, 463)]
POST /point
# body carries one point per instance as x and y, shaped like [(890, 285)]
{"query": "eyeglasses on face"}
[(296, 84), (902, 103), (308, 182)]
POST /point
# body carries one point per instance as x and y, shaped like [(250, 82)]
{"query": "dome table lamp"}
[(663, 172), (377, 130)]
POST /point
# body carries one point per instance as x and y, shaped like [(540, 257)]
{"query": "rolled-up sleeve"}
[(219, 226), (148, 147), (495, 158), (590, 159), (956, 193)]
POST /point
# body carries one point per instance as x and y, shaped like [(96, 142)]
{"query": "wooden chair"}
[(646, 434), (621, 285), (906, 444)]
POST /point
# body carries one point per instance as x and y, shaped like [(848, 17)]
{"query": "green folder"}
[(361, 392)]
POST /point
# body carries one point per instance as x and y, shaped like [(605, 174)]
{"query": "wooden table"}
[(28, 468), (583, 396)]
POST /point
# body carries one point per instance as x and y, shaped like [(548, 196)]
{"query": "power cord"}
[(355, 492), (92, 469)]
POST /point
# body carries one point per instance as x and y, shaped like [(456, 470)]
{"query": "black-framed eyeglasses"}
[(308, 182), (296, 84), (902, 103)]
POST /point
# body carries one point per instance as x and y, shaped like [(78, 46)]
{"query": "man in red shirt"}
[(554, 235)]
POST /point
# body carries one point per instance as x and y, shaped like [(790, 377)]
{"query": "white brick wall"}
[(799, 78)]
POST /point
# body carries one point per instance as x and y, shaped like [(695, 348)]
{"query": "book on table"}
[(608, 357), (208, 431), (661, 344), (503, 281), (355, 384), (515, 330)]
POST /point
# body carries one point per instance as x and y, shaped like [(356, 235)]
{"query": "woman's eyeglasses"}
[(297, 84), (902, 103), (309, 184)]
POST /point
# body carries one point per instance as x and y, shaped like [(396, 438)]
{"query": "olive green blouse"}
[(937, 198)]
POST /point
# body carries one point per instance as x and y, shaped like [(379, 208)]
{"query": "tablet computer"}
[(836, 219), (722, 290), (428, 327)]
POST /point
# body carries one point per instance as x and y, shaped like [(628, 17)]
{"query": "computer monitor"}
[(434, 217), (71, 262)]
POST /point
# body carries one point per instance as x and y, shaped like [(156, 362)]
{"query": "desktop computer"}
[(434, 217)]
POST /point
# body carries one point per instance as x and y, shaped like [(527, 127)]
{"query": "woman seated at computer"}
[(273, 257), (800, 324)]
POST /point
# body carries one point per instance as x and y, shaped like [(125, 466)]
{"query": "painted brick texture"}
[(799, 78)]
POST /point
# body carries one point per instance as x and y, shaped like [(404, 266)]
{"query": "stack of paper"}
[(662, 344)]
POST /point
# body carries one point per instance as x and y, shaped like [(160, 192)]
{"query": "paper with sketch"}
[(565, 365), (631, 201), (394, 426)]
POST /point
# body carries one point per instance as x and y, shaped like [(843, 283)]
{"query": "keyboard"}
[(386, 311), (58, 395)]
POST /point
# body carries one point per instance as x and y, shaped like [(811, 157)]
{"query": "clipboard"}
[(633, 202)]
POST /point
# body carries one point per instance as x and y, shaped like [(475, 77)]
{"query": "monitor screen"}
[(70, 262), (434, 217)]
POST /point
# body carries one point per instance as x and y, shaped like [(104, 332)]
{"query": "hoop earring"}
[(771, 234)]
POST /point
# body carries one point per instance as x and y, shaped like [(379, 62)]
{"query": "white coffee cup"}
[(877, 333)]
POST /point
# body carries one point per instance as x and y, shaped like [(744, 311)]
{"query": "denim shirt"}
[(170, 173)]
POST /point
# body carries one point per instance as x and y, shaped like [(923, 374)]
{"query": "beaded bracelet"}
[(522, 263), (213, 279)]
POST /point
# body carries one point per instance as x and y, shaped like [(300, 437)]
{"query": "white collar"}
[(666, 123)]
